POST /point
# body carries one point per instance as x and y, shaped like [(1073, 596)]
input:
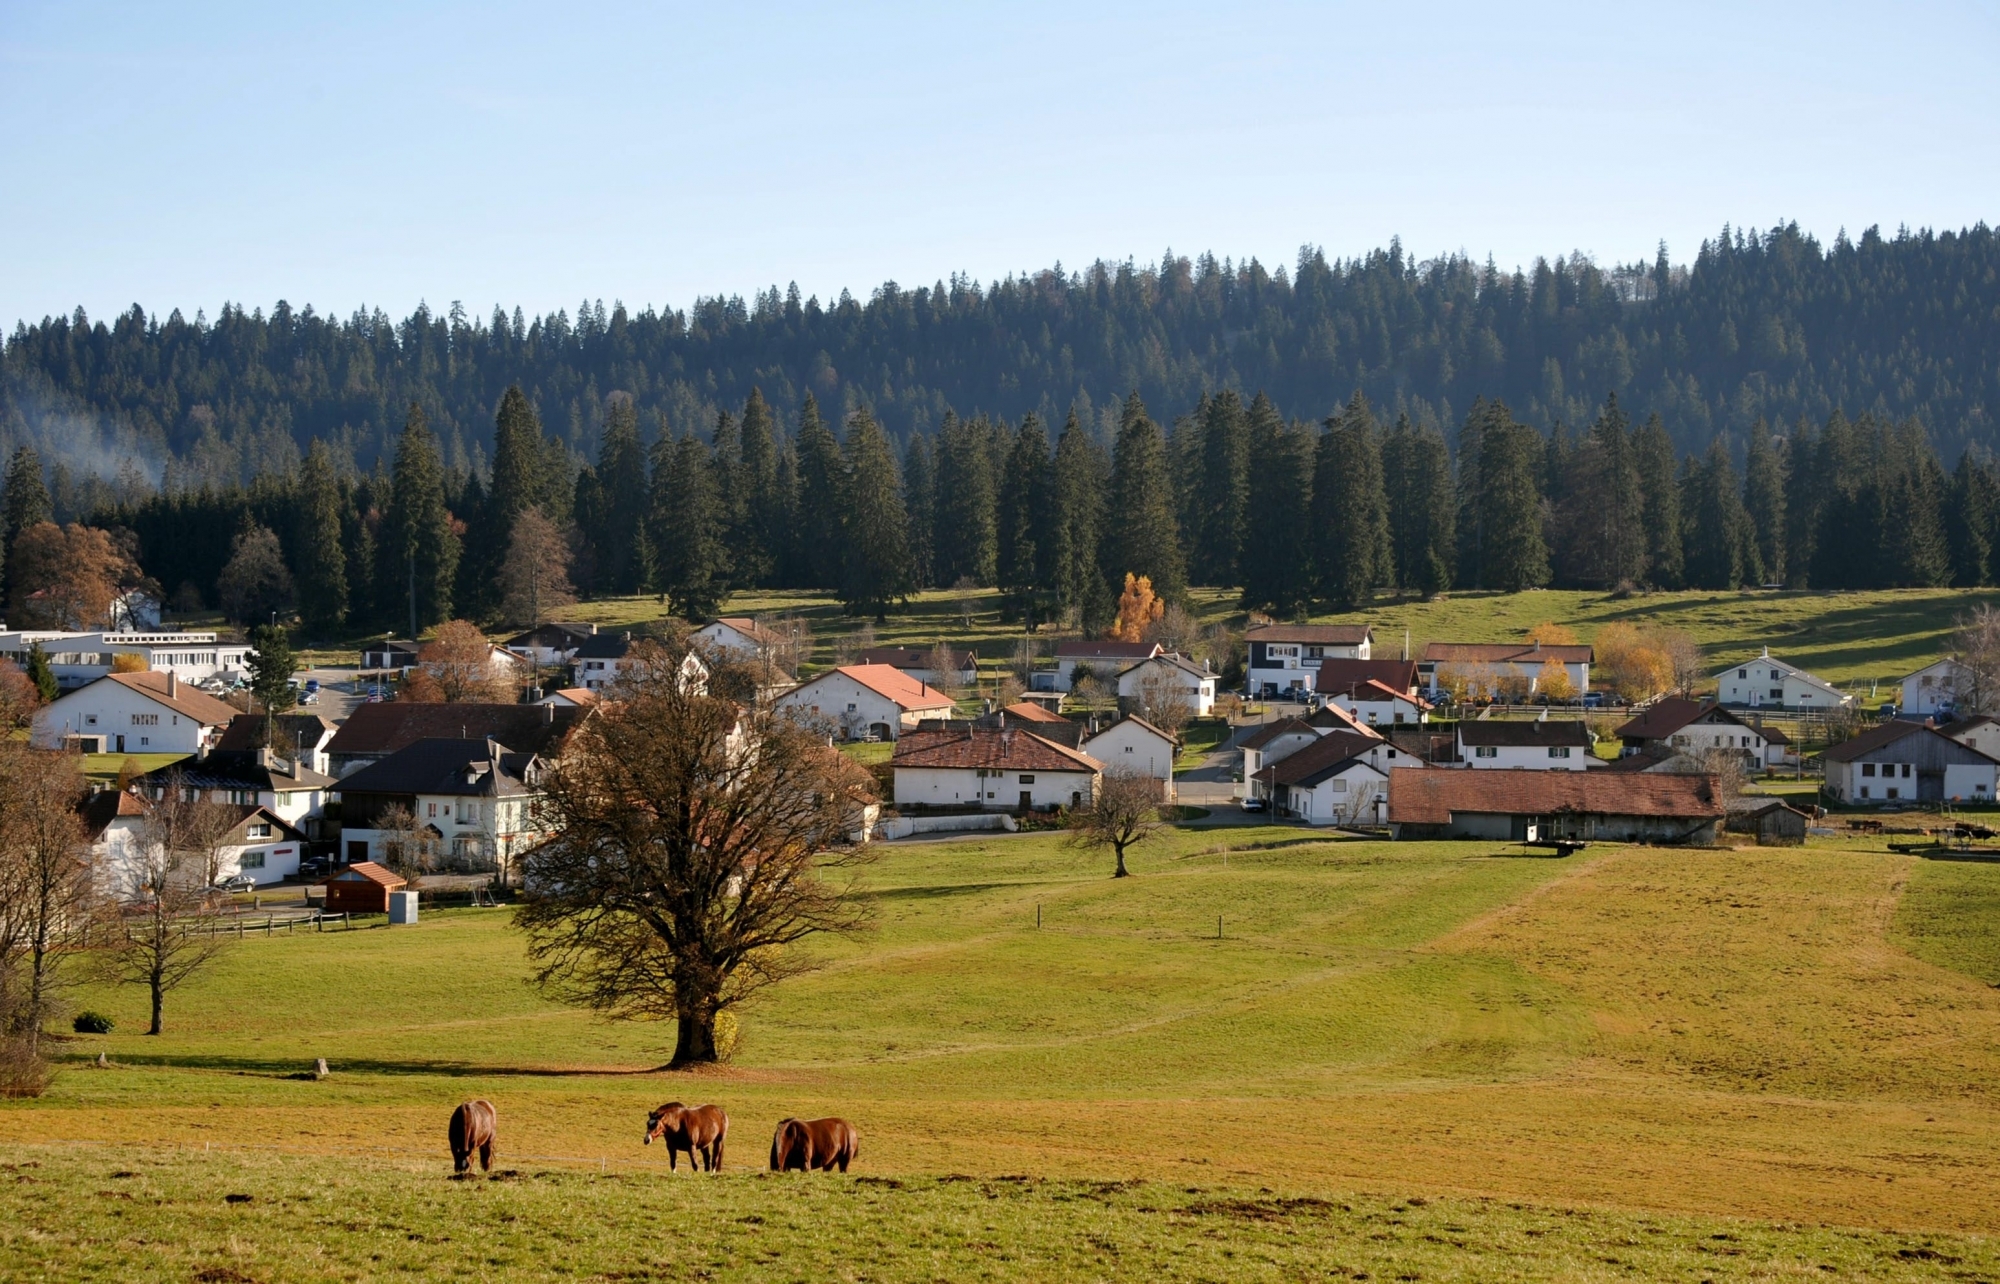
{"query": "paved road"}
[(337, 694)]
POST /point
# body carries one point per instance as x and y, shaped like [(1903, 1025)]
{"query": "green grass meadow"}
[(1385, 1061)]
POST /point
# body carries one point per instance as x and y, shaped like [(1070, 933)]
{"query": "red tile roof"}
[(893, 684), (1338, 676), (1029, 711), (369, 871), (988, 747), (1664, 717), (1430, 796), (909, 657)]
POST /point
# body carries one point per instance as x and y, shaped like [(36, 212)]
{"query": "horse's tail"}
[(778, 1145), (456, 1136)]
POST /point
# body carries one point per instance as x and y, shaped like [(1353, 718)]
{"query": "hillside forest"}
[(1775, 412)]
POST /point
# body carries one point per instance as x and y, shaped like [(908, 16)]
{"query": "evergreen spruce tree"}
[(1276, 555), (1719, 539), (732, 498), (1142, 536), (1078, 489), (1471, 524), (1764, 500), (321, 570), (1600, 519), (1025, 502), (1913, 526), (618, 528), (1350, 522), (1513, 554), (418, 538), (520, 464), (965, 534), (24, 503), (876, 571), (1223, 490), (1416, 468), (766, 514), (687, 514), (1653, 452), (820, 542), (41, 674), (1970, 518), (920, 509), (784, 512)]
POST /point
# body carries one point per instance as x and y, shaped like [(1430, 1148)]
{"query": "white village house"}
[(1900, 760), (474, 802), (294, 793), (1341, 778), (1285, 658), (1134, 746), (77, 659), (258, 844), (1503, 669), (1982, 733), (857, 701), (1101, 659), (992, 768), (550, 645), (1543, 744), (1672, 726), (1769, 683), (601, 660), (1936, 690), (743, 637), (1169, 672), (133, 713)]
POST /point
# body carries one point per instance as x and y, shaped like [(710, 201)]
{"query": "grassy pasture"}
[(1689, 1062)]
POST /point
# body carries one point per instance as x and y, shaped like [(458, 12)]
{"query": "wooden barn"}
[(1771, 822), (362, 888)]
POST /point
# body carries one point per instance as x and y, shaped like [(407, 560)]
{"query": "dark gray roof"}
[(374, 729), (1498, 734), (473, 768), (604, 646), (235, 769)]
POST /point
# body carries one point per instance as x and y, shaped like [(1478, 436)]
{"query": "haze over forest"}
[(1772, 325)]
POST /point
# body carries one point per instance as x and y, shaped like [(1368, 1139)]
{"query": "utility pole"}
[(413, 594)]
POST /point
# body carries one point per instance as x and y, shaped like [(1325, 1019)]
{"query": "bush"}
[(92, 1023), (22, 1073), (727, 1033)]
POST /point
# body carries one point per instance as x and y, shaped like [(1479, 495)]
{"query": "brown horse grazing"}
[(806, 1144), (698, 1130), (472, 1128)]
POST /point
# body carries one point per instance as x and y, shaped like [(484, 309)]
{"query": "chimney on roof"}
[(549, 714), (173, 684)]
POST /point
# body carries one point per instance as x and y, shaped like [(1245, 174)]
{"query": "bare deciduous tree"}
[(1162, 700), (459, 662), (1125, 812), (942, 661), (407, 848), (1977, 645), (694, 843), (169, 929), (47, 895), (534, 577)]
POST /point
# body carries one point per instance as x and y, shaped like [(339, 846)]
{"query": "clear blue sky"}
[(537, 154)]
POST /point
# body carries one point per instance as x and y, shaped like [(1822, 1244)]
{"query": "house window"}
[(1027, 780), (242, 797), (1867, 768), (433, 809), (1906, 771), (259, 830), (1559, 751), (1893, 792), (1743, 673), (1485, 751), (145, 719), (468, 813), (90, 720), (1777, 693), (251, 860), (1864, 791), (145, 740)]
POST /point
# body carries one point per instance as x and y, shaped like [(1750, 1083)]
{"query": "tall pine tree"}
[(818, 516), (1416, 471), (1350, 509), (419, 550), (320, 558), (1224, 490), (1025, 500), (965, 535), (876, 572), (1653, 454), (1142, 536), (920, 508), (1078, 488), (1276, 556), (1513, 553), (1764, 500)]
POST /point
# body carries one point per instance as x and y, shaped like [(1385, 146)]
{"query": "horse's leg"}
[(485, 1156), (718, 1150)]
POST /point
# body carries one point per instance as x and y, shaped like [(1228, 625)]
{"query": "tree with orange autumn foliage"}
[(1137, 609)]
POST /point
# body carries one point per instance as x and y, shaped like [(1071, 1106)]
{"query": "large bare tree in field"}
[(47, 895), (1125, 812), (169, 930), (696, 842), (534, 577)]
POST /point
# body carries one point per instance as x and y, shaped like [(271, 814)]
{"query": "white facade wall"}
[(1527, 757), (1985, 738), (1931, 691), (499, 827), (1765, 683), (1383, 712), (1130, 748), (128, 721), (1199, 689), (1277, 749), (1484, 677), (1970, 782), (1002, 788), (80, 658), (1357, 796), (1296, 664), (851, 708)]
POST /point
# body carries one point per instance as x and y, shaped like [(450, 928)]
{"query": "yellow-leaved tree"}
[(1137, 609)]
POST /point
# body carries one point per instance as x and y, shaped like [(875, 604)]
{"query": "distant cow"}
[(698, 1130), (807, 1144), (472, 1128)]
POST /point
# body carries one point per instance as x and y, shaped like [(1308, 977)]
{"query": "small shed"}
[(362, 888), (1773, 823)]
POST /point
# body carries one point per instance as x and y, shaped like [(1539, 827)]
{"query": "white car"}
[(1251, 804)]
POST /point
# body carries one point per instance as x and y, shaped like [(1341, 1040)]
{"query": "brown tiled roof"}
[(1029, 711), (1083, 650), (369, 870), (1889, 733), (246, 731), (1332, 715), (385, 728), (1319, 760), (1503, 652), (984, 747), (1338, 676), (909, 657), (1664, 717), (1272, 730), (749, 628), (101, 808), (184, 699), (891, 683), (1319, 634), (1430, 796), (1511, 734)]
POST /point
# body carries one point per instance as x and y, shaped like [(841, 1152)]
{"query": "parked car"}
[(1593, 700), (312, 685), (1251, 804), (236, 883)]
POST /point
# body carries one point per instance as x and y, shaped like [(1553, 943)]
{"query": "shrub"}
[(92, 1023), (727, 1032), (22, 1073)]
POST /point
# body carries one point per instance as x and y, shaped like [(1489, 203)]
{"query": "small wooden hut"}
[(1773, 823), (362, 888)]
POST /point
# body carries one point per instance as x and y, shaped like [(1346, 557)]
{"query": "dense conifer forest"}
[(1776, 412)]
